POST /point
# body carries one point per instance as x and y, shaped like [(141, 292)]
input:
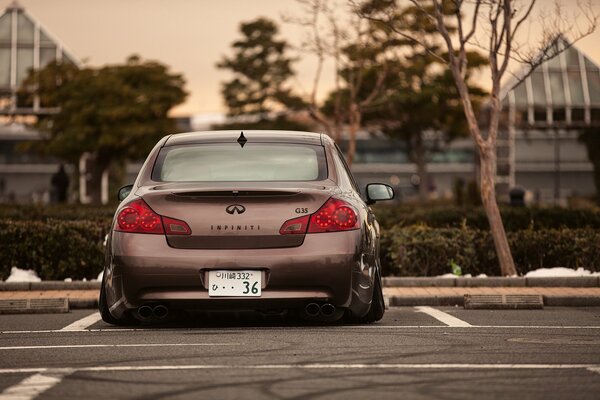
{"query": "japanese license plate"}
[(234, 283)]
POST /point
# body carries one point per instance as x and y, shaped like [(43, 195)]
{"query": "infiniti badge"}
[(235, 209)]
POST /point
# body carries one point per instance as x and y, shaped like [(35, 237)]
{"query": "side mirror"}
[(124, 192), (379, 192)]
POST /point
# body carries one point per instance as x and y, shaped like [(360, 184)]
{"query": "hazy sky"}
[(188, 35)]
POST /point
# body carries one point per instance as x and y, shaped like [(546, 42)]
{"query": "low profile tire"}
[(377, 308), (107, 316)]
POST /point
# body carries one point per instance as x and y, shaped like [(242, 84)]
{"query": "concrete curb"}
[(49, 285), (570, 281), (549, 301)]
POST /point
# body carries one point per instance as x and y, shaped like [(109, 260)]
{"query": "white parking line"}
[(83, 323), (444, 317), (117, 368), (84, 346), (33, 386)]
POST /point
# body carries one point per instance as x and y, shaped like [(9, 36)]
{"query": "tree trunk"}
[(487, 159)]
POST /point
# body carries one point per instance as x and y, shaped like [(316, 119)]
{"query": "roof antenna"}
[(242, 139)]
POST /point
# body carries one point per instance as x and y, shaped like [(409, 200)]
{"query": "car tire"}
[(105, 312), (377, 308)]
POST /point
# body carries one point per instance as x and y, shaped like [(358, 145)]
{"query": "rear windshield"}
[(223, 162)]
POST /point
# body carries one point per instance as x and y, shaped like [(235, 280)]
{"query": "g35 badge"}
[(301, 210)]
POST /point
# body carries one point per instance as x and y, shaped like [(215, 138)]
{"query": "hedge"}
[(55, 249), (514, 218), (424, 251)]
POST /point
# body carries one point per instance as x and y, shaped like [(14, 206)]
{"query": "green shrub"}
[(514, 218), (424, 251), (62, 212), (55, 249)]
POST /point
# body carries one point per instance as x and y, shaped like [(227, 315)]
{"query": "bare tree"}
[(501, 21), (356, 54)]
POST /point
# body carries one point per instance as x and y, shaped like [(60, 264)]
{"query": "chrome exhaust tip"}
[(145, 312), (160, 311), (327, 309), (312, 309)]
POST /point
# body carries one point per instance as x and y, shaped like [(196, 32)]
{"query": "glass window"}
[(577, 114), (521, 96), (47, 55), (539, 90), (232, 163), (590, 66), (24, 63), (594, 85), (44, 38), (559, 114), (576, 88), (4, 67), (539, 115), (24, 29), (557, 88), (5, 28), (572, 57)]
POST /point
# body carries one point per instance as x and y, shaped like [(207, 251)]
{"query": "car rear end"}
[(215, 222)]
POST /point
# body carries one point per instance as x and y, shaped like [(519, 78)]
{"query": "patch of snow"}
[(100, 275), (448, 275), (560, 271), (481, 276), (21, 275), (68, 279)]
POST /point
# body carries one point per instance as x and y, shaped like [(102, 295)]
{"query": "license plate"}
[(234, 283)]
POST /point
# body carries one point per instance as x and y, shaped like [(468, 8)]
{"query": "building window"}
[(559, 115)]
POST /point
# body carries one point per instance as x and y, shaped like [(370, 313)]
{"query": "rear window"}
[(229, 162)]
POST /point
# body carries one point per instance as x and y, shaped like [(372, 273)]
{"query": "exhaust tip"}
[(145, 312), (160, 311), (328, 309), (312, 309)]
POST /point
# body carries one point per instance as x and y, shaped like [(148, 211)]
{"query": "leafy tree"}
[(115, 113), (261, 71)]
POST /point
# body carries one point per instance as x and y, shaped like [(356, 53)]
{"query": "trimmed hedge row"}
[(53, 248), (425, 251), (60, 212), (514, 218)]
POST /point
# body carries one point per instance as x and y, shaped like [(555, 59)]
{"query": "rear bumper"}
[(144, 269)]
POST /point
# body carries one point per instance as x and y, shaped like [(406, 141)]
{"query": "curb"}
[(549, 301), (49, 285), (567, 281)]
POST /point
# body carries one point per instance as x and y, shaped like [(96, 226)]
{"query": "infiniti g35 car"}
[(270, 221)]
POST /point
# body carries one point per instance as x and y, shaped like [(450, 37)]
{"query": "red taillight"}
[(295, 226), (333, 216), (138, 217), (176, 227)]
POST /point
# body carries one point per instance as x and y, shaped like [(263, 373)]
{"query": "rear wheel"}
[(107, 316), (377, 308)]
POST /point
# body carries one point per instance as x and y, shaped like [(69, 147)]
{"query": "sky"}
[(190, 36)]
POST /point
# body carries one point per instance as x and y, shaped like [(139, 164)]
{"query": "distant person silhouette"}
[(60, 184)]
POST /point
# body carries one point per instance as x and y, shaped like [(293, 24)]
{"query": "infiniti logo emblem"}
[(235, 209)]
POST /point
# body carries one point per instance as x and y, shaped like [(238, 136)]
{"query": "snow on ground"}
[(21, 275), (559, 271), (100, 275)]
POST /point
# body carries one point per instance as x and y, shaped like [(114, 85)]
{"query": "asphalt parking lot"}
[(415, 353)]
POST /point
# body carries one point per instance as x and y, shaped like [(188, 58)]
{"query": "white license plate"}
[(234, 283)]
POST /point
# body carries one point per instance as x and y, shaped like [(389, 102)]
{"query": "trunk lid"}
[(224, 216)]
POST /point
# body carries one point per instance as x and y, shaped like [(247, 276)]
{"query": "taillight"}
[(333, 216), (138, 217), (295, 226)]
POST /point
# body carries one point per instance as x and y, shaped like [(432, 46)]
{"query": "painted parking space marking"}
[(443, 317), (85, 346), (83, 323), (453, 366), (34, 385)]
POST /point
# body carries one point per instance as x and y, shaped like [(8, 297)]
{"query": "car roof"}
[(260, 136)]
